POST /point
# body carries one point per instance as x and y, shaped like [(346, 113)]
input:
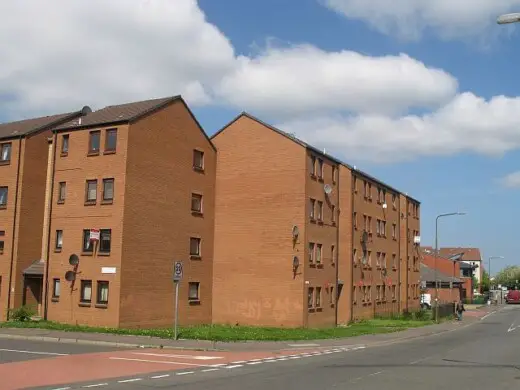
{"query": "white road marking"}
[(376, 373), (33, 352), (178, 356), (160, 376), (256, 360), (512, 327), (158, 361), (185, 373), (303, 345), (130, 380), (235, 366), (253, 363), (282, 359), (63, 388), (270, 361), (96, 385), (295, 357), (239, 362), (210, 369)]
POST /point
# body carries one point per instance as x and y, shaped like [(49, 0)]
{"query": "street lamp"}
[(509, 18), (435, 259)]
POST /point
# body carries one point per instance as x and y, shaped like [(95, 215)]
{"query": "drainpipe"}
[(352, 195), (11, 266), (399, 306), (49, 195), (336, 260)]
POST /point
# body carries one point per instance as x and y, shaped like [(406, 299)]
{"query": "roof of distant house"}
[(428, 275), (313, 148), (468, 254), (122, 113), (33, 125)]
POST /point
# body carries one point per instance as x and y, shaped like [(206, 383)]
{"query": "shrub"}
[(23, 313)]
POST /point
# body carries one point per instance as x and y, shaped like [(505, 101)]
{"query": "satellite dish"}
[(364, 260), (295, 231), (384, 272), (295, 262), (73, 259), (327, 188), (70, 276), (385, 205)]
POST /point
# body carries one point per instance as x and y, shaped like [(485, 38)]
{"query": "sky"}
[(421, 94)]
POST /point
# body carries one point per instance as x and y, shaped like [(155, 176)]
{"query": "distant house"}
[(450, 287)]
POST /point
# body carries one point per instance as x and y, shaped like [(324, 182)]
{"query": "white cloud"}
[(511, 180), (304, 79), (467, 124), (61, 54), (410, 18)]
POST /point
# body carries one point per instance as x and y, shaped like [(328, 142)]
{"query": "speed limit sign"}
[(178, 271)]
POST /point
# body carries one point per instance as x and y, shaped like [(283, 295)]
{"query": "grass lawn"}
[(242, 333)]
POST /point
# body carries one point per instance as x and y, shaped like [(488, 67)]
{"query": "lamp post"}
[(509, 18), (435, 259)]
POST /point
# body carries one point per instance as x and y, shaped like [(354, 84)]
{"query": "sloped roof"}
[(35, 269), (312, 148), (468, 254), (29, 126), (428, 275), (121, 113)]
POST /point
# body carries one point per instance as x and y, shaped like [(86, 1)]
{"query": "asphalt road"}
[(484, 355), (21, 350)]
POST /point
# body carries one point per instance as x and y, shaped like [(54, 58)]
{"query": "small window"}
[(313, 166), (355, 220), (3, 196), (313, 206), (394, 260), (394, 200), (59, 240), (62, 194), (196, 203), (195, 246), (108, 189), (318, 253), (102, 293), (91, 195), (56, 288), (105, 238), (2, 245), (332, 254), (334, 171), (331, 296), (193, 291), (111, 140), (65, 144), (320, 168), (318, 296), (94, 142), (319, 216), (310, 297), (333, 213), (88, 247), (86, 291), (5, 153), (198, 160), (311, 252), (394, 230)]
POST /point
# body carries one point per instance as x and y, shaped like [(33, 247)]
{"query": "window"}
[(312, 204), (102, 293), (91, 194), (354, 256), (318, 253), (370, 224), (383, 259), (394, 231), (94, 142), (310, 297), (3, 196), (56, 288), (105, 238), (393, 293), (320, 168), (332, 254), (383, 292), (378, 225), (193, 291), (369, 191), (365, 222), (108, 190), (378, 259), (333, 212), (319, 216), (382, 229), (311, 252), (379, 195), (369, 258), (365, 188), (331, 296), (111, 140), (194, 246), (62, 191), (394, 201), (355, 220), (313, 166), (355, 184), (86, 291), (394, 261), (378, 293), (5, 153), (196, 203), (65, 144), (198, 160), (88, 247), (318, 296), (2, 243), (334, 171), (59, 240)]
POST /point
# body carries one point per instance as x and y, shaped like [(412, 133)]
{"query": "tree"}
[(484, 283), (508, 276)]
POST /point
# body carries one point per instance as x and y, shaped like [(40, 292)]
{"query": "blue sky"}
[(422, 95)]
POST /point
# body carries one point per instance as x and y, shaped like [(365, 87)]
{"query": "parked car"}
[(426, 301), (513, 296)]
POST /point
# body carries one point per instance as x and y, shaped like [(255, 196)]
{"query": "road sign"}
[(178, 271)]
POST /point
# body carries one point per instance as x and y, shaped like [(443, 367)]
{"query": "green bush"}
[(23, 313)]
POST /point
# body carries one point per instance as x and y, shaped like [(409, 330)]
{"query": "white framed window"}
[(193, 291)]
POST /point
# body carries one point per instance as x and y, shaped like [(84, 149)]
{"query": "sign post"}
[(178, 273)]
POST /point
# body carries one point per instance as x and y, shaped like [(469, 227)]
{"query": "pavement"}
[(366, 362)]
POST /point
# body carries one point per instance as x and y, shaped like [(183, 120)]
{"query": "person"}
[(459, 310)]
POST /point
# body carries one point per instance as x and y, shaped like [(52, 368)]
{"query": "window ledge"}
[(109, 152), (108, 201), (320, 266), (194, 302), (84, 304), (3, 207), (313, 220), (103, 254), (313, 176), (320, 221), (90, 203), (87, 254), (319, 309), (55, 299), (92, 153), (312, 310), (101, 305), (312, 265), (5, 162), (198, 169), (58, 250), (195, 257), (61, 201), (196, 213), (64, 154)]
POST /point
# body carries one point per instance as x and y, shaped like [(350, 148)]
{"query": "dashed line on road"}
[(33, 352)]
